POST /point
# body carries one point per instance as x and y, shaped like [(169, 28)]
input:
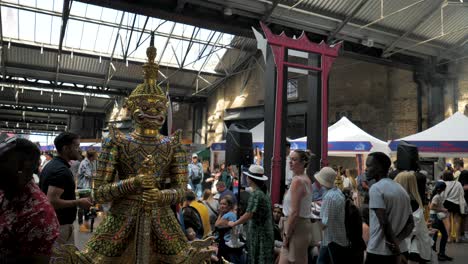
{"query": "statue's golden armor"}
[(143, 174)]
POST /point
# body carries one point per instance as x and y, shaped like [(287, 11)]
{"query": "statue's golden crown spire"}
[(150, 71)]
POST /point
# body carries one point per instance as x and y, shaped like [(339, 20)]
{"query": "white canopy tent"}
[(345, 139), (449, 138)]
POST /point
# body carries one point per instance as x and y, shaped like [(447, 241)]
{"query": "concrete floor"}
[(458, 251)]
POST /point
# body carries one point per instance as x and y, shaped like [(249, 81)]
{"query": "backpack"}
[(353, 225), (195, 173)]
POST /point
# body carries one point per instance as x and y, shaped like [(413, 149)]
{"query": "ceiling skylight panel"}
[(110, 15), (179, 29), (88, 39), (77, 9), (188, 30), (26, 25), (57, 4), (204, 34), (11, 1), (140, 21), (93, 12), (214, 60), (43, 23), (55, 30), (10, 22), (164, 28), (74, 33), (31, 3), (46, 5), (172, 54), (226, 39)]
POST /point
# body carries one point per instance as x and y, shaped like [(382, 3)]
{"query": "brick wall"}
[(380, 99)]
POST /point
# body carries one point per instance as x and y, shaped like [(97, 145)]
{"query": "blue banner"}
[(350, 146), (436, 146), (222, 146)]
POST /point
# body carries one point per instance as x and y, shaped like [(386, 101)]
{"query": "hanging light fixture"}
[(2, 88), (42, 92), (17, 124)]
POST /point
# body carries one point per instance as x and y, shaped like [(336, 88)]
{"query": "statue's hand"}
[(147, 181)]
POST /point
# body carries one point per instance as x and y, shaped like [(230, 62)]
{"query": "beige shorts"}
[(300, 241)]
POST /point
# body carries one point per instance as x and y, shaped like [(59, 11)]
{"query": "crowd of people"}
[(335, 216)]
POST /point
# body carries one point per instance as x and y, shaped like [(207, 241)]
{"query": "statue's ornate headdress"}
[(149, 88)]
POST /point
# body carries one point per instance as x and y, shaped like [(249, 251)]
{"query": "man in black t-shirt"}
[(58, 183)]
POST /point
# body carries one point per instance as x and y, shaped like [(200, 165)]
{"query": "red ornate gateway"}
[(280, 45)]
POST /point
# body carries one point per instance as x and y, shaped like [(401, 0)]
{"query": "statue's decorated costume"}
[(143, 174)]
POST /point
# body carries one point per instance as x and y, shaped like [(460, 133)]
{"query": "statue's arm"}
[(105, 189), (178, 171)]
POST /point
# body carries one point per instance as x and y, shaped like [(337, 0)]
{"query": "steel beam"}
[(435, 7), (2, 48), (345, 21), (190, 45), (43, 108), (62, 87), (108, 67), (167, 43), (96, 57), (130, 38), (65, 16), (270, 11), (457, 48)]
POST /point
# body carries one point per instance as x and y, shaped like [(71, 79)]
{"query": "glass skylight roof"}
[(94, 29)]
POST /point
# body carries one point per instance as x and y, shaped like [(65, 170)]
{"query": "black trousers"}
[(382, 259)]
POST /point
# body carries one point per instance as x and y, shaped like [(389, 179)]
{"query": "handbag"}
[(441, 215)]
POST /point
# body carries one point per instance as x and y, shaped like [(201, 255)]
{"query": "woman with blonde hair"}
[(351, 184), (419, 242), (298, 212), (212, 205)]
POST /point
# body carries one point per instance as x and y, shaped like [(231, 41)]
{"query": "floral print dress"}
[(28, 224), (260, 240)]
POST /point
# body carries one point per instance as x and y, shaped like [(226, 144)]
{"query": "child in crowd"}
[(438, 213)]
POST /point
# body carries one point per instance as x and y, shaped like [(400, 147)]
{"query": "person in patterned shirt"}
[(28, 224), (258, 214)]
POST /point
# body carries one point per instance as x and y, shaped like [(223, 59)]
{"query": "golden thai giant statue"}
[(143, 174)]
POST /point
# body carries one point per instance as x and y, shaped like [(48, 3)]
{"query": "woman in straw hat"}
[(260, 239)]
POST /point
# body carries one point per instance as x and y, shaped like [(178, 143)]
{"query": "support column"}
[(314, 116), (280, 45), (269, 88), (419, 93), (279, 137)]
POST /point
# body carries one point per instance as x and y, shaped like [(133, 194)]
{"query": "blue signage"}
[(436, 146), (350, 146)]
